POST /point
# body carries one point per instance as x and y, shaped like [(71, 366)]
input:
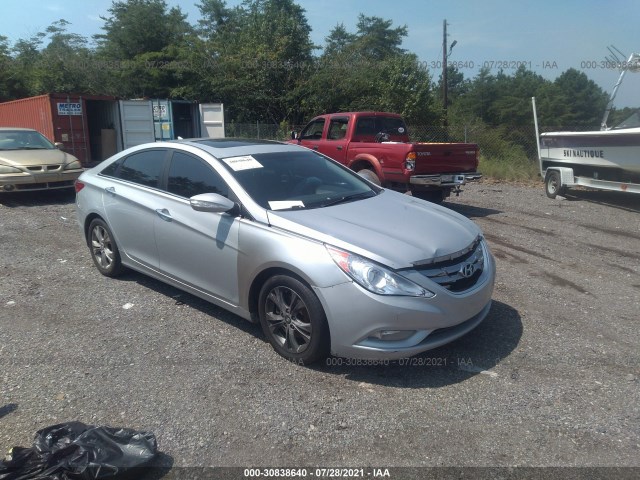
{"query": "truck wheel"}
[(369, 175), (553, 184)]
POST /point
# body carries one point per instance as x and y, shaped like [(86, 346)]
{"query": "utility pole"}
[(444, 70)]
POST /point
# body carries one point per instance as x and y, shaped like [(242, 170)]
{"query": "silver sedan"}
[(325, 261)]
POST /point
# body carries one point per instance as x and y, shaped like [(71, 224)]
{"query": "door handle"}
[(164, 214), (316, 147), (339, 147), (110, 190)]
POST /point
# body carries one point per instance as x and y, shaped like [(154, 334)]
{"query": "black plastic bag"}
[(75, 451)]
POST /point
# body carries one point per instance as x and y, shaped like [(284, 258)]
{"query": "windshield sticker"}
[(284, 204), (246, 162)]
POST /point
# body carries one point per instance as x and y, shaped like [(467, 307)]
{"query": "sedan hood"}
[(391, 228), (34, 157)]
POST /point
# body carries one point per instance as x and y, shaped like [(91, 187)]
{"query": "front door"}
[(199, 249), (335, 145)]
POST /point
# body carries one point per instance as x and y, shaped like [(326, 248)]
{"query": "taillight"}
[(410, 161), (78, 185)]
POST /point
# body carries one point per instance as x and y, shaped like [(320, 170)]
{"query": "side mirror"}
[(59, 145), (211, 202), (294, 135)]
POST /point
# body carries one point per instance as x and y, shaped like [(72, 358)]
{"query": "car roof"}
[(234, 147), (16, 129), (362, 114)]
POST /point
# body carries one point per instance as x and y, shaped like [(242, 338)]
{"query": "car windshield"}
[(23, 140), (632, 122), (296, 180)]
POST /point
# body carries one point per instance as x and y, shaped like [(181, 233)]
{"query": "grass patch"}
[(510, 168)]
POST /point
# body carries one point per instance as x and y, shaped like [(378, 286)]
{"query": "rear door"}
[(197, 248), (130, 201)]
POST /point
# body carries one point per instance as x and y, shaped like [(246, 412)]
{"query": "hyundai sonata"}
[(325, 261)]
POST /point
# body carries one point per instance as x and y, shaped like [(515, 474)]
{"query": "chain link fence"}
[(507, 152)]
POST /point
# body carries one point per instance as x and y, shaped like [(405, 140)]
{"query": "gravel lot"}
[(551, 378)]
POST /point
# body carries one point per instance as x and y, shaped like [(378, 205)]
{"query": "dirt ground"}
[(550, 378)]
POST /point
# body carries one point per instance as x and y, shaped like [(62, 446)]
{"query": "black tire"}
[(103, 248), (370, 175), (293, 320), (553, 184), (433, 196)]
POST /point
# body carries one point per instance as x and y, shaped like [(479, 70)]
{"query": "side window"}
[(393, 126), (313, 131), (338, 128), (144, 168), (110, 170), (366, 126), (189, 176)]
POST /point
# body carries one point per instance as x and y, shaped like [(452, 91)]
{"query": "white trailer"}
[(564, 163)]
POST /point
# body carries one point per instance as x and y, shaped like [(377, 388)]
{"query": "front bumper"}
[(444, 179), (356, 316), (38, 181)]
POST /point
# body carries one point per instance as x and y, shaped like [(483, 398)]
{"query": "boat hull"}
[(613, 151)]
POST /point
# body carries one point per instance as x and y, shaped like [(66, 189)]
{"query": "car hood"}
[(391, 228), (34, 157)]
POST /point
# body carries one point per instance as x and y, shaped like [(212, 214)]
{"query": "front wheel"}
[(369, 175), (293, 320), (553, 184)]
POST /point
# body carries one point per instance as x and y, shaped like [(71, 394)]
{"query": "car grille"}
[(457, 273), (45, 186), (43, 168)]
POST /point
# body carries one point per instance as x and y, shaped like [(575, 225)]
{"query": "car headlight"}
[(8, 169), (75, 165), (375, 277)]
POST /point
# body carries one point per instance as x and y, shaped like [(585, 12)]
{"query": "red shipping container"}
[(59, 117)]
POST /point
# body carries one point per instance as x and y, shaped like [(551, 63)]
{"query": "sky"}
[(547, 36)]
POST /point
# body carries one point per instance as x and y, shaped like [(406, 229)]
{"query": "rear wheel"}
[(369, 175), (104, 250), (293, 320), (553, 184)]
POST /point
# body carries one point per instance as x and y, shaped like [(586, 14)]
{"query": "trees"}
[(258, 58), (143, 44), (368, 70), (254, 58)]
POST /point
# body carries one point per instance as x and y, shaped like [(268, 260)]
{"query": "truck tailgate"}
[(434, 158)]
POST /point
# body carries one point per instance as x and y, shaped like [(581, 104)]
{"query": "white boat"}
[(613, 153), (608, 158)]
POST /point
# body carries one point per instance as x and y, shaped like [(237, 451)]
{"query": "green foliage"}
[(253, 57), (258, 59), (368, 70), (135, 27), (617, 116), (501, 157), (143, 45)]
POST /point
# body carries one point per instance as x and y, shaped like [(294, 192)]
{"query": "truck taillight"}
[(410, 161)]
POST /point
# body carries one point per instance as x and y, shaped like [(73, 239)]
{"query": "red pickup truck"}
[(377, 146)]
